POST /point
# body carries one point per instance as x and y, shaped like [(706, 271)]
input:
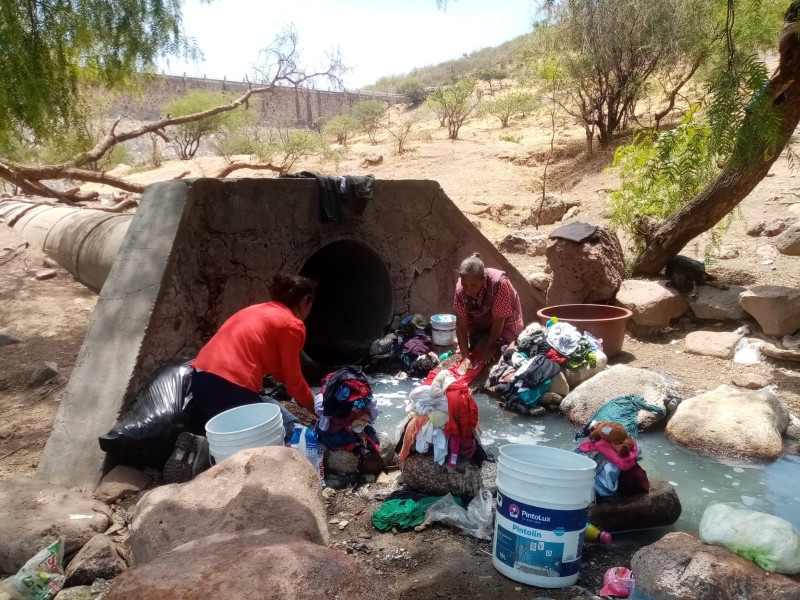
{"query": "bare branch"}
[(235, 166)]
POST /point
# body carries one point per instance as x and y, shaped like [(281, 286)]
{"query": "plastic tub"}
[(543, 498), (443, 329), (249, 426), (601, 320)]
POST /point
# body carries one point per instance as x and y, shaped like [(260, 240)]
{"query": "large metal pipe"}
[(83, 241)]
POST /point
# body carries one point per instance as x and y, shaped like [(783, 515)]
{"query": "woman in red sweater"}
[(263, 339)]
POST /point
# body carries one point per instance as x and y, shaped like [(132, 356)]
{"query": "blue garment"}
[(624, 410), (343, 393), (530, 398)]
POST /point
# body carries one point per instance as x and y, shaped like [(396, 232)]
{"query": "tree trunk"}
[(734, 182), (589, 139)]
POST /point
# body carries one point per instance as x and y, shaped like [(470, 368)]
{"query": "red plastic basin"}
[(602, 321)]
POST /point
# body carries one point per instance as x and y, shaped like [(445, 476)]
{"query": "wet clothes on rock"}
[(530, 382), (496, 299), (353, 191), (624, 410)]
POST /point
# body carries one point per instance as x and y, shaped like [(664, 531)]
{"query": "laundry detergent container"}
[(443, 330)]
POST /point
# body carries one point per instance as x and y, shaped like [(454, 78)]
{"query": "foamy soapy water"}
[(699, 480)]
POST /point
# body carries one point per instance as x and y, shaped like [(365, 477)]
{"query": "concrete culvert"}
[(353, 301)]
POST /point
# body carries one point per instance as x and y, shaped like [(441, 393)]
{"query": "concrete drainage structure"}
[(197, 251)]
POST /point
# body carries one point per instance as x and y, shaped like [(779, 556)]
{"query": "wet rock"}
[(553, 209), (658, 508), (586, 272), (559, 385), (575, 377), (767, 252), (253, 564), (551, 400), (572, 212), (731, 422), (720, 305), (750, 381), (273, 488), (342, 462), (423, 474), (98, 559), (44, 373), (79, 592), (719, 344), (789, 241), (7, 339), (680, 567), (527, 241), (770, 227), (120, 482), (33, 513), (653, 303), (656, 388), (45, 274), (775, 307), (388, 454)]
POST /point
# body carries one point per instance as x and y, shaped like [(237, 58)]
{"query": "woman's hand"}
[(466, 365), (490, 356)]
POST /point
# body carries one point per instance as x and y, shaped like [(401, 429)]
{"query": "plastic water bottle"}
[(313, 454), (597, 535)]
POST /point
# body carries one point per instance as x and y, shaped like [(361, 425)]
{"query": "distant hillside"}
[(504, 56)]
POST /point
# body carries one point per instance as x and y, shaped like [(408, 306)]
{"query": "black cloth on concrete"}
[(574, 232), (212, 395), (353, 190)]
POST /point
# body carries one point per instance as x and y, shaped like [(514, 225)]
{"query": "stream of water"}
[(772, 488)]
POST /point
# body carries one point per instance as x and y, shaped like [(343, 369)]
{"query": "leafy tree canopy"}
[(49, 48)]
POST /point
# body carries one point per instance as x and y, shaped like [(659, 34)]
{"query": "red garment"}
[(462, 409), (263, 339), (358, 389), (555, 357)]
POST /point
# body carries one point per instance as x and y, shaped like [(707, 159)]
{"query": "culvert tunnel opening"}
[(352, 305)]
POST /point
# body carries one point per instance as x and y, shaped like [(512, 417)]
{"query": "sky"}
[(375, 37)]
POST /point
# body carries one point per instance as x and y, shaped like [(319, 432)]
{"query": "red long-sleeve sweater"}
[(263, 339)]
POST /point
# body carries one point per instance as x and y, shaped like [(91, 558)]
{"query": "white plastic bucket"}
[(543, 498), (443, 328), (243, 427)]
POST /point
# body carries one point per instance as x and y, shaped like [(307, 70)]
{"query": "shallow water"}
[(699, 480)]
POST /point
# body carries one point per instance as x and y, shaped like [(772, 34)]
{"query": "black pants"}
[(212, 395)]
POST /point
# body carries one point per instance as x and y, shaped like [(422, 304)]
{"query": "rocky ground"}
[(496, 183)]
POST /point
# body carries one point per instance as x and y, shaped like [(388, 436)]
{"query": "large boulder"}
[(251, 565), (680, 567), (719, 305), (789, 241), (423, 474), (33, 513), (98, 559), (526, 241), (550, 210), (775, 307), (586, 272), (653, 303), (273, 488), (658, 508), (656, 388), (729, 421), (719, 344)]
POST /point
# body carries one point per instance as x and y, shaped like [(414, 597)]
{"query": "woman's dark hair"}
[(290, 289), (472, 266)]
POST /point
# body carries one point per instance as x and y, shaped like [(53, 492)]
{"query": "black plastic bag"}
[(145, 436)]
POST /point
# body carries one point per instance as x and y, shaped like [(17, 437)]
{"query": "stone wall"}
[(283, 106)]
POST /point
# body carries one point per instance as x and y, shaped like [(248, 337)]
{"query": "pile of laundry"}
[(612, 443), (442, 421), (347, 411), (526, 369), (409, 345)]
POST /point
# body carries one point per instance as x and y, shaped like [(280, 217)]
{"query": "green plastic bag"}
[(403, 514)]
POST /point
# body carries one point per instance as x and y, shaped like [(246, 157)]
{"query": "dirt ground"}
[(495, 183)]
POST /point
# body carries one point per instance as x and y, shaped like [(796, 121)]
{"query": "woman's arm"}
[(291, 342)]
